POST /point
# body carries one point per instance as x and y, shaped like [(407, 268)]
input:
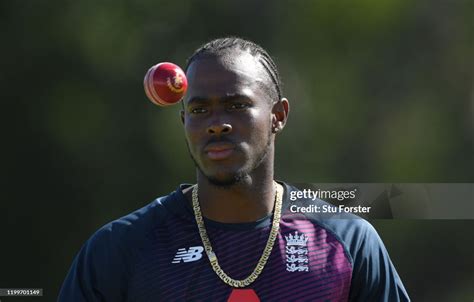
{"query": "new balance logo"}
[(194, 253)]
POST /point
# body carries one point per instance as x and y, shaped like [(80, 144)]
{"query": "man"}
[(231, 237)]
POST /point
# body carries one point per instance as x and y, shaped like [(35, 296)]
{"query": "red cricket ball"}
[(165, 84)]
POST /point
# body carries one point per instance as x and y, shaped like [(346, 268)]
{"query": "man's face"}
[(228, 117)]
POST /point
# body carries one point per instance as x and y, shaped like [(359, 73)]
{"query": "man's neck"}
[(246, 201)]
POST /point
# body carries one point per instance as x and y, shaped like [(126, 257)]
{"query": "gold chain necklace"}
[(266, 252)]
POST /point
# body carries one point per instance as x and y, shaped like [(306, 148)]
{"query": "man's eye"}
[(239, 106), (198, 110)]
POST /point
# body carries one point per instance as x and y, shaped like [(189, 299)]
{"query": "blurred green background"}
[(381, 91)]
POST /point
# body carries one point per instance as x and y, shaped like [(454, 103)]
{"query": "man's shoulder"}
[(137, 225), (108, 258)]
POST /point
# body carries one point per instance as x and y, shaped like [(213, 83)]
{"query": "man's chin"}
[(222, 177)]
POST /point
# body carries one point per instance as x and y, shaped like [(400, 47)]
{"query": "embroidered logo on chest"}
[(297, 253), (194, 253)]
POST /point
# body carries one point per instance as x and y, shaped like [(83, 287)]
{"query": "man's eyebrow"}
[(235, 97), (227, 98), (196, 100)]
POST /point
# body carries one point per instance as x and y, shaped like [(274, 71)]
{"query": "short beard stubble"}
[(237, 177)]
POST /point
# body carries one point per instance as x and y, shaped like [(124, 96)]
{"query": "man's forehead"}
[(217, 73)]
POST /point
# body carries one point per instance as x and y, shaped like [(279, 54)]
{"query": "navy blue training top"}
[(156, 254)]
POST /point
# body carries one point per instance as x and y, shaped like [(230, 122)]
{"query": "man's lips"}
[(219, 151)]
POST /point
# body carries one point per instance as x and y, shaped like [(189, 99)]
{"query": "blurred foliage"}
[(380, 91)]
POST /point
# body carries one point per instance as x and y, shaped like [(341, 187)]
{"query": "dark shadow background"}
[(381, 91)]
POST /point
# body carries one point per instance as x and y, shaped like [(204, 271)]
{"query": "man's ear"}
[(280, 112)]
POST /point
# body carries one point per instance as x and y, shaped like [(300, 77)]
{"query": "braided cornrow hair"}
[(219, 46)]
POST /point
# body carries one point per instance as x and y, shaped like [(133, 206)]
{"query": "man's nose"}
[(219, 128)]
